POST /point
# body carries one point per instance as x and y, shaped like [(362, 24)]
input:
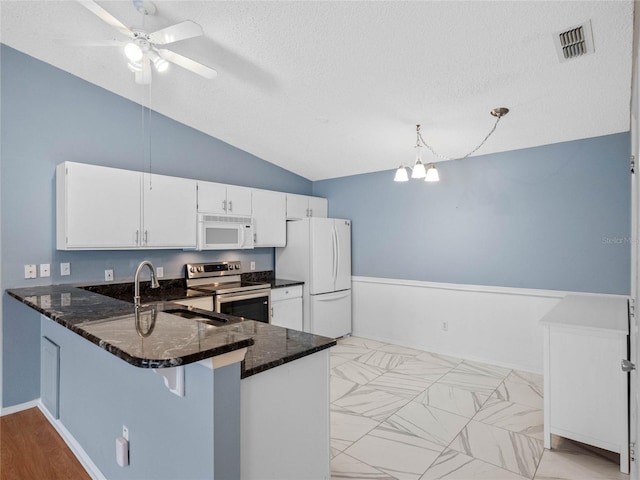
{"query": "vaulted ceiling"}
[(328, 89)]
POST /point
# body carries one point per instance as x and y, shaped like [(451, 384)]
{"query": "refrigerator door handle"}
[(334, 234)]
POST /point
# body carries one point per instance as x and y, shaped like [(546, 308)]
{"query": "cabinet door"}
[(239, 201), (297, 206), (169, 206), (97, 207), (287, 313), (318, 207), (212, 198), (270, 218), (50, 376)]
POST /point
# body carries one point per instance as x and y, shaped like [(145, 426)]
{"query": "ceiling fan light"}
[(133, 52), (161, 64), (401, 174), (432, 174), (135, 66)]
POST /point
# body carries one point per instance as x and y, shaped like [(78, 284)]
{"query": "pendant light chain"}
[(442, 157), (430, 172)]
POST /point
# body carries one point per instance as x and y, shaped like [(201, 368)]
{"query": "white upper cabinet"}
[(97, 207), (270, 218), (224, 199), (302, 206), (102, 208), (169, 212)]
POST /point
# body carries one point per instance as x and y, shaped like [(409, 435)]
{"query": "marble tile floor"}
[(405, 414)]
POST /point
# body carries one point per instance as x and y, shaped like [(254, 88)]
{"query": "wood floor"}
[(31, 449)]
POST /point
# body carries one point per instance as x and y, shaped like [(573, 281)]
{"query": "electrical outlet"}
[(253, 266), (30, 271), (159, 272), (65, 269), (445, 326), (45, 270), (108, 275), (125, 432)]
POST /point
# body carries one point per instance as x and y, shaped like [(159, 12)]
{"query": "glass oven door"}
[(255, 305)]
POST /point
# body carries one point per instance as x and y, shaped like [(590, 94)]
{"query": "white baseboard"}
[(496, 325), (84, 459), (20, 407)]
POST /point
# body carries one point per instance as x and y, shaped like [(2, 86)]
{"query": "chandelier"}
[(429, 172)]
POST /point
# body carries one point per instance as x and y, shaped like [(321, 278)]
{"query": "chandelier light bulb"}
[(401, 174), (432, 174), (418, 169), (133, 52)]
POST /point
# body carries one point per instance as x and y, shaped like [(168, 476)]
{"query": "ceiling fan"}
[(143, 48)]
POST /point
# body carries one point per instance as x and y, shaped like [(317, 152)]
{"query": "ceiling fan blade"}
[(77, 42), (96, 9), (175, 33), (143, 77), (188, 64)]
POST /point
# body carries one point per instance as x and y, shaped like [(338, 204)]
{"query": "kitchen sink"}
[(190, 314)]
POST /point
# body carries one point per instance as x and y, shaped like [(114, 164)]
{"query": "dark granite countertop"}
[(170, 340), (269, 277)]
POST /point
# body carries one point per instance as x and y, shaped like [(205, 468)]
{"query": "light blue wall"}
[(170, 437), (552, 217), (48, 116)]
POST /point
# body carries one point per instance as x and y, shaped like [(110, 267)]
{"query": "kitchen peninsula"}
[(222, 426)]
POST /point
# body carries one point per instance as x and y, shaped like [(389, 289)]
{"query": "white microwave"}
[(221, 232)]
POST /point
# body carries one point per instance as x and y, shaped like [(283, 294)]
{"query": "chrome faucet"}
[(154, 280)]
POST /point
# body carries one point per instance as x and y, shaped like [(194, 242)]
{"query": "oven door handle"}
[(233, 297)]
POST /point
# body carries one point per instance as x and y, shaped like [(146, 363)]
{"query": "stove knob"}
[(237, 267), (201, 269), (192, 269)]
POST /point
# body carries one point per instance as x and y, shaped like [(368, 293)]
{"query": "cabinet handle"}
[(308, 212), (311, 212), (224, 205), (146, 236), (271, 312), (255, 237), (137, 237), (230, 206)]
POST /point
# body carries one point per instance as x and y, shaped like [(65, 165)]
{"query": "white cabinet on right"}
[(585, 390), (303, 206), (286, 307)]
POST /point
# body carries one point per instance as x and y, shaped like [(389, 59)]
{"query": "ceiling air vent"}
[(574, 42)]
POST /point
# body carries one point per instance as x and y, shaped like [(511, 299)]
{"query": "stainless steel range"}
[(251, 300)]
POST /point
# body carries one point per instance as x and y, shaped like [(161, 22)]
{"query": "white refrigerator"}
[(318, 252)]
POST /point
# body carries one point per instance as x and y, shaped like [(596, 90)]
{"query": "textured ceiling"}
[(328, 89)]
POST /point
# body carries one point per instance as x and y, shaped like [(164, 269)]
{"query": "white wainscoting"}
[(496, 325)]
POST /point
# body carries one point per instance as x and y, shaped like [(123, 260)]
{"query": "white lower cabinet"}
[(585, 390), (286, 307)]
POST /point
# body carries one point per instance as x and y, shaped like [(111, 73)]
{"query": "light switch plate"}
[(108, 275), (30, 271), (159, 272), (65, 269), (45, 270)]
